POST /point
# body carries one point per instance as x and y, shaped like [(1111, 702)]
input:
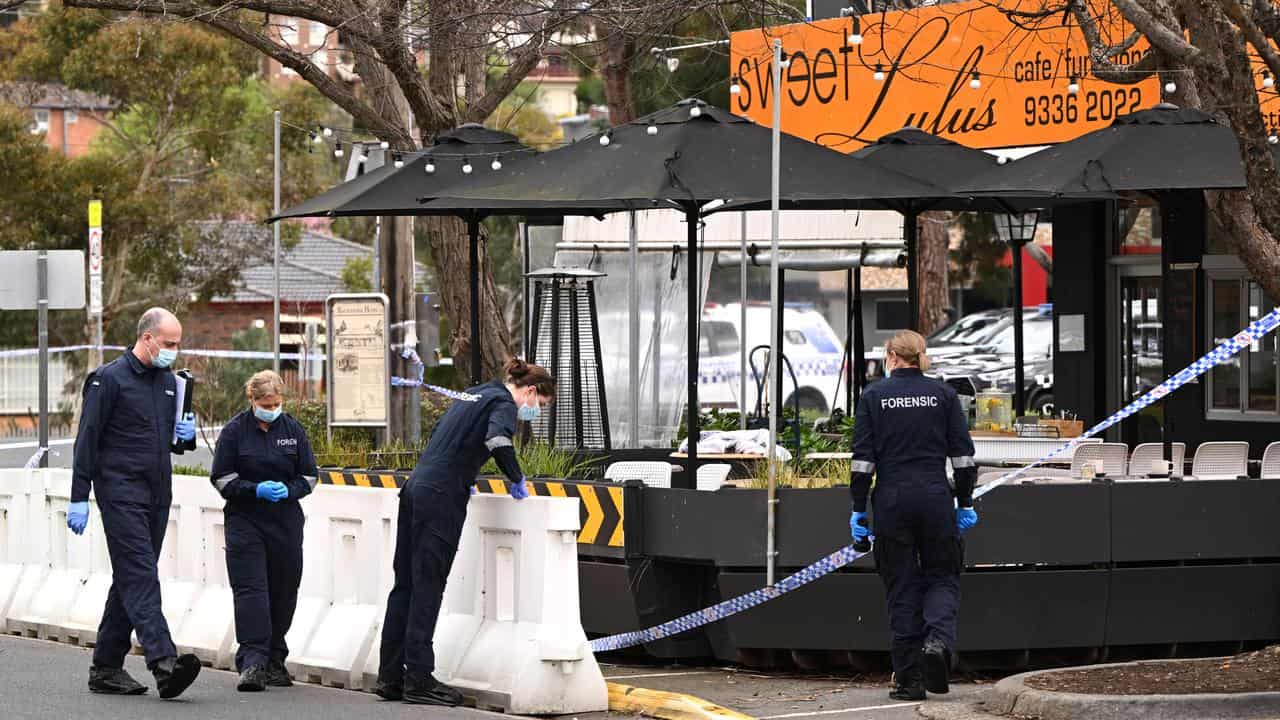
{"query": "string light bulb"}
[(1171, 87), (430, 167), (855, 32), (1268, 81), (397, 160), (734, 87), (1002, 160), (337, 150), (976, 81), (1272, 138), (878, 75), (605, 140), (695, 111), (1073, 87), (496, 164), (327, 132), (672, 64), (384, 144), (316, 139), (652, 129), (466, 166)]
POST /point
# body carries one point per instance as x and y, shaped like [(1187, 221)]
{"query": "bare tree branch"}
[(1167, 37), (1253, 34)]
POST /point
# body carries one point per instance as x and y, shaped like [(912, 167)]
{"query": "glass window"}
[(1037, 338), (718, 339), (41, 123), (1138, 232), (1225, 378), (1261, 355), (71, 115)]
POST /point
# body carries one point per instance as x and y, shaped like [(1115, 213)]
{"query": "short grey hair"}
[(151, 320)]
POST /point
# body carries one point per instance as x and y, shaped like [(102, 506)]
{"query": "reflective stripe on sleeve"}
[(494, 443), (963, 461), (862, 466), (222, 482), (311, 480)]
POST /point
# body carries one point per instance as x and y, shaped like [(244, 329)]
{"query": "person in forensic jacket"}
[(262, 466), (905, 428), (433, 506), (127, 431)]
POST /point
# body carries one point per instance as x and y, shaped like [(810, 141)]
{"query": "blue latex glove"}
[(272, 491), (473, 489), (186, 427), (965, 519), (519, 490), (78, 517), (860, 531)]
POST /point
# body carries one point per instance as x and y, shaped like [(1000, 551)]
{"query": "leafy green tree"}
[(357, 274)]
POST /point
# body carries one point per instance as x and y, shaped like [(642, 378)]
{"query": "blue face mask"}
[(528, 413), (267, 416), (164, 357)]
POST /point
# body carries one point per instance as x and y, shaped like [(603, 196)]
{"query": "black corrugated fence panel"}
[(1042, 524), (726, 527), (1194, 520), (1208, 603)]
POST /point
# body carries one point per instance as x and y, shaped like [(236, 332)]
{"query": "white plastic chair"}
[(653, 474), (1146, 453), (1109, 458), (1271, 462), (712, 476), (1221, 460)]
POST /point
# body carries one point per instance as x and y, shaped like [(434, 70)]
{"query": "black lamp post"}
[(1016, 230)]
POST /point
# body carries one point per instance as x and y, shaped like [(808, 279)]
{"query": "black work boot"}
[(937, 667), (278, 675), (426, 690), (253, 679), (389, 690), (907, 690), (174, 675), (113, 681)]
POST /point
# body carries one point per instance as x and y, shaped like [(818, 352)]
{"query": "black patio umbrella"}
[(682, 157), (1156, 151)]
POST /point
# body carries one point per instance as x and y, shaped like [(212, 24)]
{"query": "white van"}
[(814, 350)]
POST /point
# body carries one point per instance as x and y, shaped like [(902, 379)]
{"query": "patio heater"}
[(565, 339), (1016, 230)]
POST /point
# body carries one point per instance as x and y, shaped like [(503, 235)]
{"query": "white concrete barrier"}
[(509, 635), (510, 632)]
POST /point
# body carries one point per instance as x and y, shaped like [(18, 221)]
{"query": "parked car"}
[(990, 363)]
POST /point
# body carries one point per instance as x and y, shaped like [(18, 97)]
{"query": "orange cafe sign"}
[(965, 71)]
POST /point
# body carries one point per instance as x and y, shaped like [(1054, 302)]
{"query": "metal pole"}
[(775, 350), (473, 235), (910, 235), (693, 312), (848, 340), (859, 345), (1166, 424), (742, 330), (1018, 379), (275, 239), (633, 332), (42, 321)]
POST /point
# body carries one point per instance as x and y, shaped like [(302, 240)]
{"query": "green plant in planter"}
[(190, 470), (539, 459)]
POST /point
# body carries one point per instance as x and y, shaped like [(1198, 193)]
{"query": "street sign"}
[(66, 280), (95, 260), (95, 251), (359, 367)]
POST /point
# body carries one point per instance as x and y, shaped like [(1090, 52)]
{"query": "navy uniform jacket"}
[(247, 455), (905, 428), (126, 434), (465, 437)]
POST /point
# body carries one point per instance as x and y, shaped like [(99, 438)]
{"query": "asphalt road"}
[(46, 681)]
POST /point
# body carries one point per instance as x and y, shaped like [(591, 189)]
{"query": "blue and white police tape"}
[(1220, 354), (848, 554), (733, 606), (412, 356)]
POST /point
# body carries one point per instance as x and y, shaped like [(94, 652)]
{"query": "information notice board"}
[(359, 376)]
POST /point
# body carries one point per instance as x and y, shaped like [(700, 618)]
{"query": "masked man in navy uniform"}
[(905, 428), (127, 431)]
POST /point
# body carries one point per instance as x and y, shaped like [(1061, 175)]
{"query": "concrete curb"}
[(1013, 696), (667, 705)]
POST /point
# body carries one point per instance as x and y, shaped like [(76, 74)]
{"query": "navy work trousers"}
[(428, 529), (264, 565), (919, 555), (135, 534)]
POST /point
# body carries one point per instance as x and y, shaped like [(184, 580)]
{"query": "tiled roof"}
[(52, 96), (310, 271)]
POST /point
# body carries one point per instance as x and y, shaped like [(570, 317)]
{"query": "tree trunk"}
[(619, 50), (932, 260), (447, 238)]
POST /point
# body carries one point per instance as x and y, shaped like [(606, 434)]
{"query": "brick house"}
[(68, 119)]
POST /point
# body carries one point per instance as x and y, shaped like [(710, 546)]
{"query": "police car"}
[(815, 352)]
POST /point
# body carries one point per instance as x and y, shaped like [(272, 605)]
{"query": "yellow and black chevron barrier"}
[(600, 506)]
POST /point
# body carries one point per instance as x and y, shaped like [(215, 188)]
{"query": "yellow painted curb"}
[(667, 705)]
